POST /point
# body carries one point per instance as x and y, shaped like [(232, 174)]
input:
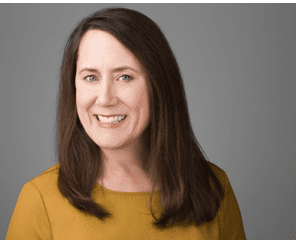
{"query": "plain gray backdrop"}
[(238, 62)]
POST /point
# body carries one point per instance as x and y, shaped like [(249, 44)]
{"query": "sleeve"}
[(29, 219), (231, 221)]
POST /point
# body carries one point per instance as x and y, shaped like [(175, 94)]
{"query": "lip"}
[(111, 125), (110, 115)]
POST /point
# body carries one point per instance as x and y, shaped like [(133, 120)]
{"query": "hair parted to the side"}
[(189, 189)]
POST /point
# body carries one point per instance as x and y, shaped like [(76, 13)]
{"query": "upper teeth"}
[(110, 119)]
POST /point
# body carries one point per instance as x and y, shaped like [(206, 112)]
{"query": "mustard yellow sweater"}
[(41, 212)]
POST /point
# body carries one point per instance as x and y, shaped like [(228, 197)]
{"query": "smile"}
[(112, 122)]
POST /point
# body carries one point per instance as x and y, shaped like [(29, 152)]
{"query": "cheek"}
[(145, 105), (81, 95), (82, 101), (142, 101)]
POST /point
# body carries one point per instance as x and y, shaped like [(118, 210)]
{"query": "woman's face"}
[(110, 81)]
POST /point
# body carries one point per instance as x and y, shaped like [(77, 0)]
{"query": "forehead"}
[(99, 47)]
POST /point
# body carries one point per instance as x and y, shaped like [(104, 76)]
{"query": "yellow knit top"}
[(41, 212)]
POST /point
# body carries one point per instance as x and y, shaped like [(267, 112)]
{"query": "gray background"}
[(238, 64)]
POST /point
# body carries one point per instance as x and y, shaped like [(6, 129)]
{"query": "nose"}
[(106, 93)]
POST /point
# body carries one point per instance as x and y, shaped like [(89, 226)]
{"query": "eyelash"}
[(130, 77)]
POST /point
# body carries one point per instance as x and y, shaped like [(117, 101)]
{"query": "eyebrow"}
[(94, 70)]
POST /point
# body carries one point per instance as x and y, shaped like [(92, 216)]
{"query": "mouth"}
[(110, 120)]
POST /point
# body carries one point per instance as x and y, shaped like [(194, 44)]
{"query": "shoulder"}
[(46, 182), (35, 206), (220, 173), (48, 175)]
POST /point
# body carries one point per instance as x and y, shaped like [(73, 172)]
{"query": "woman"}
[(140, 174)]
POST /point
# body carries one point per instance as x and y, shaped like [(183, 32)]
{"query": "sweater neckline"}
[(120, 192)]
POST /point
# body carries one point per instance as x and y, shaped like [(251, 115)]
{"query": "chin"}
[(110, 145)]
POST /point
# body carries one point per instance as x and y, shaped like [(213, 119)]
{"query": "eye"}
[(90, 76), (126, 78)]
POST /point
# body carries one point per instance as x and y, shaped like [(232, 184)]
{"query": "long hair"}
[(190, 191)]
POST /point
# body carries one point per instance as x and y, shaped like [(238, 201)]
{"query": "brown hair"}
[(181, 170)]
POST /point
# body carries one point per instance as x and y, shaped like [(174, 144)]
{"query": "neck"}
[(125, 165)]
